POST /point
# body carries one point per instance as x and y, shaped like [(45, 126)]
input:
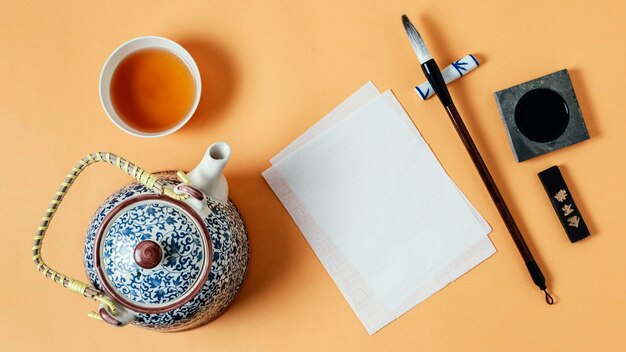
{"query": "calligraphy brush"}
[(433, 74)]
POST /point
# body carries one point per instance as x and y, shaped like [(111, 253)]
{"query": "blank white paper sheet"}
[(370, 197)]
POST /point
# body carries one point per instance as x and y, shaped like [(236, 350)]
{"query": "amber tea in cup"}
[(152, 90), (150, 86)]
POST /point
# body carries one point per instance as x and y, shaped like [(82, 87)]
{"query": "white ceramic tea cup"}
[(123, 51)]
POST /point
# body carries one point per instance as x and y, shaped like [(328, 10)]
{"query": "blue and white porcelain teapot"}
[(168, 252)]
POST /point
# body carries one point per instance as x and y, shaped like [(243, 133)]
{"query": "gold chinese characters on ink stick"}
[(560, 195), (573, 221), (567, 209)]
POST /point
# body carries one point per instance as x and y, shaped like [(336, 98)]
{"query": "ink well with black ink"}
[(541, 115)]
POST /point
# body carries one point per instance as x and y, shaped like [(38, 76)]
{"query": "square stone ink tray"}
[(541, 115)]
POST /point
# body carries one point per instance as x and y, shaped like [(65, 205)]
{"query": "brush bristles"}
[(416, 40)]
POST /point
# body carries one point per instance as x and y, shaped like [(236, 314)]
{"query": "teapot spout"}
[(208, 177)]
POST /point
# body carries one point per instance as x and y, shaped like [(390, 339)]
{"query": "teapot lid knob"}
[(148, 254)]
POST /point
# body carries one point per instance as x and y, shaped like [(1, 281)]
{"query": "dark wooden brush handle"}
[(433, 74), (477, 159)]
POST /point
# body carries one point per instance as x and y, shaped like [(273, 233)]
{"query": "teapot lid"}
[(152, 253)]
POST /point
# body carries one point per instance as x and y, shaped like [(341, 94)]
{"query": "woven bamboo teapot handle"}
[(147, 179)]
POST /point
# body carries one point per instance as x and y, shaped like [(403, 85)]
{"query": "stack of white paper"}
[(385, 220)]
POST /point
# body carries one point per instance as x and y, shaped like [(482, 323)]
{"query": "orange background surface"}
[(270, 70)]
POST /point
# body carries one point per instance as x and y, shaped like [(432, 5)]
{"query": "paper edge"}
[(354, 102)]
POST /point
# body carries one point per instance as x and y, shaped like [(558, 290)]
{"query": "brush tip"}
[(416, 40)]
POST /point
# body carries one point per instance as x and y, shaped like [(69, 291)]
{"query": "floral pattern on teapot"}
[(180, 240)]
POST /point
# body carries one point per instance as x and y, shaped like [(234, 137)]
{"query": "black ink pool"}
[(542, 115)]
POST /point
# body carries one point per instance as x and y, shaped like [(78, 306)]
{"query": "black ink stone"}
[(541, 115)]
